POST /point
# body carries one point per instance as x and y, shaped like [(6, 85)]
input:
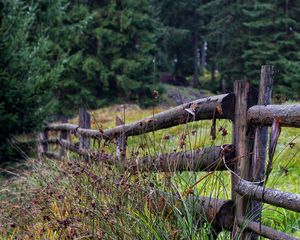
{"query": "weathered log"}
[(200, 109), (39, 145), (51, 155), (63, 135), (258, 161), (246, 96), (84, 123), (206, 159), (264, 231), (45, 144), (218, 212), (50, 141), (287, 115), (121, 141), (274, 197)]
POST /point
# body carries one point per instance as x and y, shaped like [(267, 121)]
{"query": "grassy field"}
[(71, 199)]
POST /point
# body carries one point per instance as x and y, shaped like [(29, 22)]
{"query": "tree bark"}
[(196, 82)]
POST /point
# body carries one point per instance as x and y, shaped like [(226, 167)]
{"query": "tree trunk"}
[(196, 82), (213, 72)]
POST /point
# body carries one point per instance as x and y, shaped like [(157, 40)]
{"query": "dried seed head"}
[(224, 132), (181, 143), (292, 144), (155, 94), (166, 137)]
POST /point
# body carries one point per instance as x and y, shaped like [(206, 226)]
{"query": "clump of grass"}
[(75, 199)]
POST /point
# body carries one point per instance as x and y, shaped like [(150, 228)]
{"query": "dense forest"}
[(56, 56)]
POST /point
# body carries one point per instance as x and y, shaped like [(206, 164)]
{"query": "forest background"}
[(59, 55)]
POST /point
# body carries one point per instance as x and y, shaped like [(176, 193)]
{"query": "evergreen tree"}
[(185, 35), (226, 31), (123, 49), (27, 76), (273, 38), (67, 25)]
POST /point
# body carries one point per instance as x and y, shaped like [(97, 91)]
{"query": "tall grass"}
[(75, 199)]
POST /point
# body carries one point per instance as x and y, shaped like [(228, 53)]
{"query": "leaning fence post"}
[(261, 138), (84, 122), (63, 136), (243, 139), (120, 142)]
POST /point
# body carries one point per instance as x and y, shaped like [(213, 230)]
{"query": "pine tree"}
[(27, 76), (226, 31), (123, 49), (273, 38), (184, 35)]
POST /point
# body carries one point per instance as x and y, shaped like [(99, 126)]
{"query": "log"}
[(39, 145), (262, 230), (287, 115), (206, 159), (243, 141), (121, 141), (51, 155), (63, 135), (258, 161), (50, 141), (45, 144), (201, 109), (290, 201), (218, 212), (84, 123)]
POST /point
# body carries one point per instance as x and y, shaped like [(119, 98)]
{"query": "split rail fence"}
[(251, 113)]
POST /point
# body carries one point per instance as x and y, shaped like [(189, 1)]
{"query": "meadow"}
[(69, 198)]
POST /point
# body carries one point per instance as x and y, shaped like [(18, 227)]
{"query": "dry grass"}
[(71, 199)]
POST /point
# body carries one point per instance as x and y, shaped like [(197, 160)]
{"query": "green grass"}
[(71, 199)]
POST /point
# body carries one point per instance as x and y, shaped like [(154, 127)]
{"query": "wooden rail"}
[(287, 115), (206, 159), (277, 198), (251, 114), (220, 107)]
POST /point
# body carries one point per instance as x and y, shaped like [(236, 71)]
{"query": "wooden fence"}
[(251, 113)]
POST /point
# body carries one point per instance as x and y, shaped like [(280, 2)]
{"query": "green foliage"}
[(273, 38), (27, 76), (125, 35)]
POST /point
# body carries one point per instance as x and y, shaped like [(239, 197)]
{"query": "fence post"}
[(84, 122), (260, 142), (243, 140), (120, 142), (63, 136), (42, 144)]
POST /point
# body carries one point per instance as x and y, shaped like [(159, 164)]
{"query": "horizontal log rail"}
[(219, 212), (52, 155), (264, 231), (274, 197), (206, 159), (220, 107), (287, 115)]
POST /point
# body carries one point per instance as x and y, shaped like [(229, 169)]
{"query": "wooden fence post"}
[(42, 143), (64, 135), (84, 122), (260, 143), (243, 141), (45, 141), (120, 142)]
